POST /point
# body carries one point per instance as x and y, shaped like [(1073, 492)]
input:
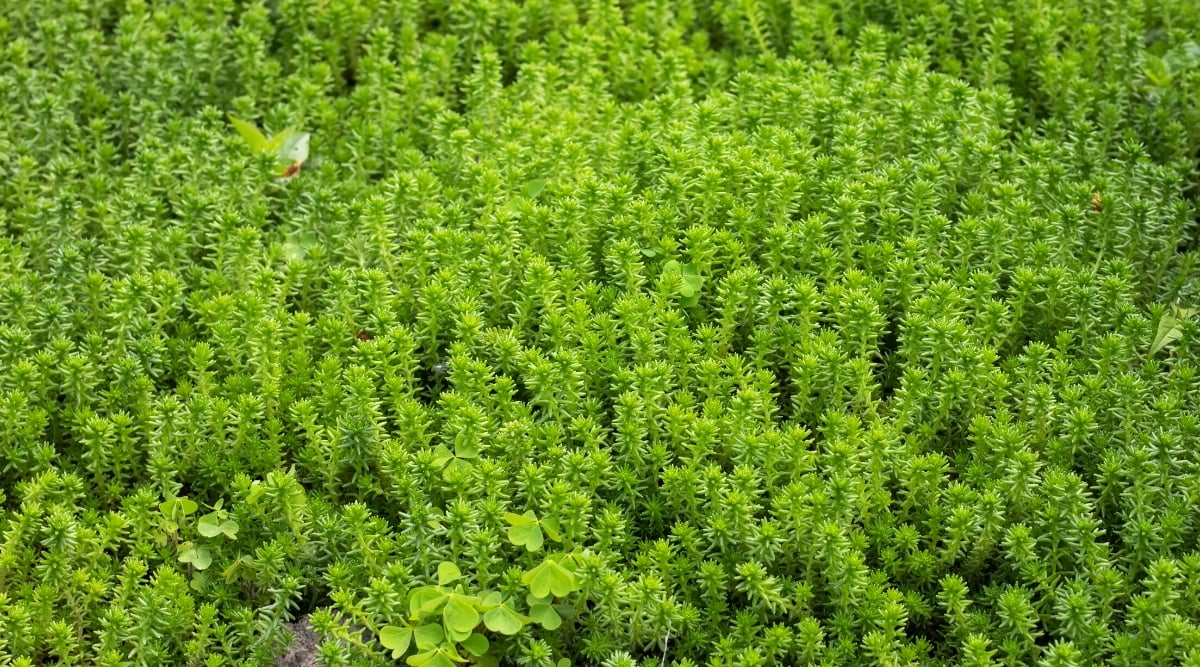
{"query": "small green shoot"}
[(1169, 329), (289, 146)]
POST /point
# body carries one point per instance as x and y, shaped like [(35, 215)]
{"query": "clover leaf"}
[(504, 619), (396, 638), (550, 577)]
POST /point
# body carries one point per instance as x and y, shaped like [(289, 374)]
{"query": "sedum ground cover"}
[(558, 332)]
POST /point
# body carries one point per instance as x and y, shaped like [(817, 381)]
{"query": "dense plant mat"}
[(571, 333)]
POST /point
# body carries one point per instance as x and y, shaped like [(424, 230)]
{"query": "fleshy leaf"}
[(395, 638)]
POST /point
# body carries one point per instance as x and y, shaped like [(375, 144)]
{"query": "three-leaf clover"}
[(690, 281), (217, 522), (529, 531), (501, 617), (550, 577), (198, 557)]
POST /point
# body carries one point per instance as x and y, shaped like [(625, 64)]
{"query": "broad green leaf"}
[(442, 656), (425, 600), (649, 252), (253, 137), (476, 644), (457, 468), (528, 535), (550, 526), (441, 455), (297, 247), (487, 661), (534, 188), (197, 556), (1168, 332), (395, 638), (174, 505), (549, 578), (257, 490), (276, 143), (448, 572), (209, 525), (230, 528), (504, 620), (520, 519), (199, 582), (1158, 71), (294, 149), (464, 447), (544, 615), (563, 662), (491, 599), (428, 636), (459, 615)]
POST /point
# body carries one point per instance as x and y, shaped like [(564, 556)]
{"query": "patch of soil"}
[(302, 652)]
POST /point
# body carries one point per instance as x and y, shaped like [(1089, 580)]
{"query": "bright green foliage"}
[(600, 333), (289, 146)]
